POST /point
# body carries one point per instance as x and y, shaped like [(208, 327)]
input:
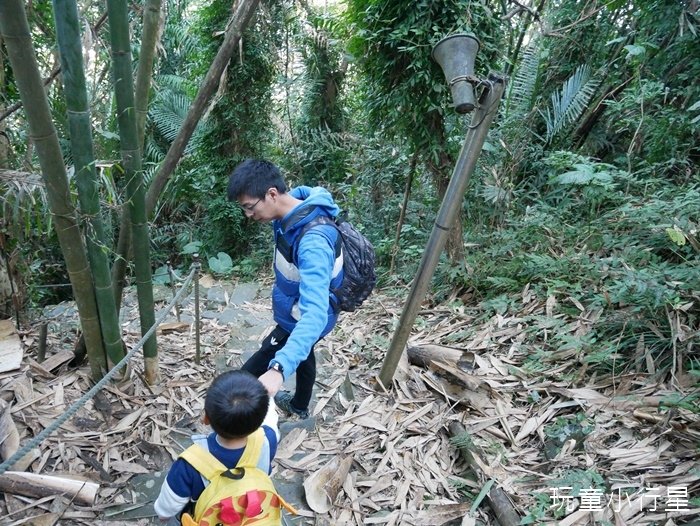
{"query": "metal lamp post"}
[(455, 54)]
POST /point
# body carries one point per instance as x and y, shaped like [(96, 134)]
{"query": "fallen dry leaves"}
[(403, 467)]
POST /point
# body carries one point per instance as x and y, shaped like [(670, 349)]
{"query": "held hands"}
[(272, 380)]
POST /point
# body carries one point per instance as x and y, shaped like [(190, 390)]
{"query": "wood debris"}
[(11, 350)]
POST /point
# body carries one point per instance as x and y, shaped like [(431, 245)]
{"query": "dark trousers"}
[(306, 372)]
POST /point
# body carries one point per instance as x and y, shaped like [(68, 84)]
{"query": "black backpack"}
[(359, 276)]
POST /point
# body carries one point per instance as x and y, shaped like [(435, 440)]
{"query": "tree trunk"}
[(15, 31), (402, 213), (144, 74), (239, 21), (70, 49), (131, 161), (236, 26), (4, 141)]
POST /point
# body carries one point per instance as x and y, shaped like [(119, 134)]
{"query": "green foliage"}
[(316, 148), (221, 265), (563, 428), (578, 479), (690, 402), (373, 194), (661, 131), (404, 89), (537, 513), (236, 126), (550, 504), (587, 190), (521, 90)]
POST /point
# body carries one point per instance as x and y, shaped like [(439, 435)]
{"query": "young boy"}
[(236, 405)]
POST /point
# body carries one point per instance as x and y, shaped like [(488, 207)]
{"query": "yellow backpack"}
[(238, 496)]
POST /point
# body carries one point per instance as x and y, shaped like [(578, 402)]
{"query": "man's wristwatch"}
[(276, 366)]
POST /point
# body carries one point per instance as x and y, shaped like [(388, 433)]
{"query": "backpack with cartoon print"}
[(240, 496)]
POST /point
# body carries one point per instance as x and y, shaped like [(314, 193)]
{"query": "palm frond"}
[(109, 192), (522, 88), (153, 152), (168, 112), (180, 37), (174, 83), (569, 103)]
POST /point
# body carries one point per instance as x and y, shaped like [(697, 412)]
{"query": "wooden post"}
[(43, 334)]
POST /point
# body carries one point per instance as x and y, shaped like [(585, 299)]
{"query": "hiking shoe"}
[(283, 400)]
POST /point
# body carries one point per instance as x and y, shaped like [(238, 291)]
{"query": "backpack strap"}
[(253, 448), (209, 466), (203, 461), (289, 251)]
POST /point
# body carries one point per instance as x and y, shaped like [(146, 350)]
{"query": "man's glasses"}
[(250, 207)]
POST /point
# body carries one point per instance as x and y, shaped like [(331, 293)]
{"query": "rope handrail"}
[(21, 452)]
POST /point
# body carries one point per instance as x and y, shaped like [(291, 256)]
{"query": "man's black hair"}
[(236, 404), (254, 177)]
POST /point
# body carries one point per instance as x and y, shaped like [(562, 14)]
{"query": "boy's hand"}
[(272, 380)]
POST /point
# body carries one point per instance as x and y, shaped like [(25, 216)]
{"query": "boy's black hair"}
[(236, 404), (254, 177)]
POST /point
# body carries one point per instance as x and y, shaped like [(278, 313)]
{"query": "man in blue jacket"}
[(306, 268)]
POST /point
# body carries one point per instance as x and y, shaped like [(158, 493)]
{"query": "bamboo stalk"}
[(131, 162), (43, 335), (80, 129), (36, 485), (239, 21), (144, 73), (15, 32)]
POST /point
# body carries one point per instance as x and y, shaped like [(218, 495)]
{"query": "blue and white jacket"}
[(301, 295)]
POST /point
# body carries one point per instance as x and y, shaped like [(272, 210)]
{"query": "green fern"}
[(569, 103), (175, 83)]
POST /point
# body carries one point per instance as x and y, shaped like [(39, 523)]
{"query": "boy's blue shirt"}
[(186, 481), (301, 300)]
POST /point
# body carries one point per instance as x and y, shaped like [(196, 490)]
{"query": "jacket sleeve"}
[(315, 260), (169, 503)]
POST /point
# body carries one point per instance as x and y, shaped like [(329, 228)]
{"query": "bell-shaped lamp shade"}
[(456, 55)]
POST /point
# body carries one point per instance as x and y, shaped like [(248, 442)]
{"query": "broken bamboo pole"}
[(36, 485), (497, 498), (422, 355)]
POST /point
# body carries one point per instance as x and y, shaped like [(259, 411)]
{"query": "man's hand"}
[(272, 380)]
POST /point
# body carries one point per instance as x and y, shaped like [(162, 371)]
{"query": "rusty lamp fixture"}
[(456, 55)]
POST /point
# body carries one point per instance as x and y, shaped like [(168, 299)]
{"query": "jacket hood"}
[(316, 201)]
